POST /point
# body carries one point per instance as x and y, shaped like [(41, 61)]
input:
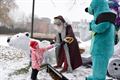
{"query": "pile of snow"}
[(12, 60)]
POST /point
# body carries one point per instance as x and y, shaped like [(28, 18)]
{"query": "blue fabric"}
[(103, 40), (99, 65), (102, 45), (99, 68)]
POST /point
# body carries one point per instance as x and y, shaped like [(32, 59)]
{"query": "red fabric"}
[(33, 44), (75, 57)]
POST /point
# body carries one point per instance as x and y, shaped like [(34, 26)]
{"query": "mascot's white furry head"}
[(20, 40)]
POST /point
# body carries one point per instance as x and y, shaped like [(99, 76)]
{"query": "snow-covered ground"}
[(12, 60), (14, 65)]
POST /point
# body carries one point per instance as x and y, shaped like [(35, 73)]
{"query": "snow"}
[(15, 66), (11, 60)]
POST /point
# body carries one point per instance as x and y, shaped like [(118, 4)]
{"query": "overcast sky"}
[(52, 8)]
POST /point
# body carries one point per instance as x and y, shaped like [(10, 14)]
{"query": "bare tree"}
[(5, 7)]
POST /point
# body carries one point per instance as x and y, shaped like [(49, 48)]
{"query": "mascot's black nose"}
[(8, 40), (86, 9)]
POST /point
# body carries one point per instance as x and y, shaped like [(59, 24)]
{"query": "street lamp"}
[(32, 23)]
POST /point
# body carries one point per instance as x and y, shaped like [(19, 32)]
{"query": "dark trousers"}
[(34, 74)]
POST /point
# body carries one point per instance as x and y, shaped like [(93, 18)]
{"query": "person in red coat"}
[(68, 50)]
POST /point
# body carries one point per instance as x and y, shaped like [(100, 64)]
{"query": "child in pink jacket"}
[(37, 57)]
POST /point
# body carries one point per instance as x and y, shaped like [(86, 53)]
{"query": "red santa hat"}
[(33, 44), (60, 18)]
